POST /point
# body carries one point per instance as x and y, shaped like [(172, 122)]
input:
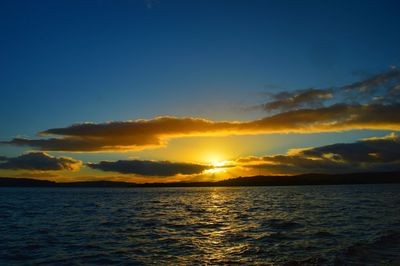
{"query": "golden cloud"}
[(142, 134)]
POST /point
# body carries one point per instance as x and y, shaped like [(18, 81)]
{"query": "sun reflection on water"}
[(218, 227)]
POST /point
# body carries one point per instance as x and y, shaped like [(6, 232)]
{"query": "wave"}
[(383, 250)]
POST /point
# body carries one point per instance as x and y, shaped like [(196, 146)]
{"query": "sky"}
[(150, 91)]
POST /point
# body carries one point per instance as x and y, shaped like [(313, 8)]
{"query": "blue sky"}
[(66, 62)]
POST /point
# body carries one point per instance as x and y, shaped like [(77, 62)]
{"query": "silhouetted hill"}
[(295, 180), (96, 184), (314, 179), (25, 182)]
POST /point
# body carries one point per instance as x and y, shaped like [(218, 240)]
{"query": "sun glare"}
[(218, 163), (217, 167)]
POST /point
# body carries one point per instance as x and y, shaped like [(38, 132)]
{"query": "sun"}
[(218, 163), (216, 167), (215, 162)]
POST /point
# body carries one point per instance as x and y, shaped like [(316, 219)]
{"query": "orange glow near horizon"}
[(218, 167)]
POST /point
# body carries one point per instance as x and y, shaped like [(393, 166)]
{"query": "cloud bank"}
[(371, 154), (149, 168), (373, 103), (309, 98), (39, 161), (374, 154), (141, 134), (383, 88)]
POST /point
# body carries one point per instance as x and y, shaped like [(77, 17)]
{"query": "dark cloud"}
[(299, 99), (383, 88), (374, 150), (149, 168), (374, 154), (141, 134), (389, 78), (39, 161)]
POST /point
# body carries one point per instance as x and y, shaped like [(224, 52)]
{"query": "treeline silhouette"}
[(272, 180)]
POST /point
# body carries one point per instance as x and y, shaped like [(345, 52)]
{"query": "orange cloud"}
[(142, 134)]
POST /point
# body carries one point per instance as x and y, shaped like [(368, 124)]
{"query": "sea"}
[(292, 225)]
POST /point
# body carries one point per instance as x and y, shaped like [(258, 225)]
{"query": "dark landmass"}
[(295, 180)]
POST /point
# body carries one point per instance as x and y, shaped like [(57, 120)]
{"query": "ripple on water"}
[(320, 225)]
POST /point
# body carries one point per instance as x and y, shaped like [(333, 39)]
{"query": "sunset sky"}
[(161, 91)]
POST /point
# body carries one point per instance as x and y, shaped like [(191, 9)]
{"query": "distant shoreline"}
[(294, 180)]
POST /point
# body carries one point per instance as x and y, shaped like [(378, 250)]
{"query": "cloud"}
[(125, 135), (373, 150), (383, 88), (299, 99), (372, 103), (373, 154), (375, 82), (38, 175), (39, 161), (149, 168), (142, 134)]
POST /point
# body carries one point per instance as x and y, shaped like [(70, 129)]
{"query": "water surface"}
[(315, 225)]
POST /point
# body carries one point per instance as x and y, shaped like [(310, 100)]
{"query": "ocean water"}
[(307, 225)]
